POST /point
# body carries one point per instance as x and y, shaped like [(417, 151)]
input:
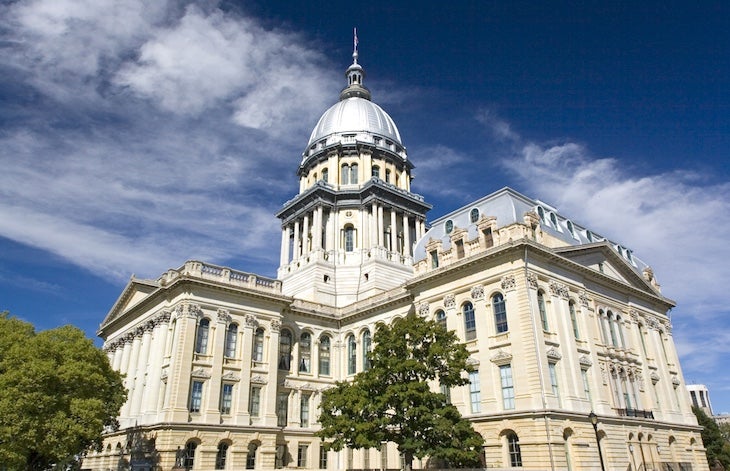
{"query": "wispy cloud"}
[(145, 133), (674, 220)]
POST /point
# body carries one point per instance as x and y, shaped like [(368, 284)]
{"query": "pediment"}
[(603, 259), (135, 292)]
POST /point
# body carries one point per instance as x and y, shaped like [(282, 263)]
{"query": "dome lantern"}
[(355, 74)]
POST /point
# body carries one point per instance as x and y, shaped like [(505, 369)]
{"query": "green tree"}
[(718, 448), (393, 400), (57, 393)]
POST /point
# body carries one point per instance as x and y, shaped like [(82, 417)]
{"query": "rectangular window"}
[(304, 410), (446, 392), (254, 402), (196, 396), (383, 456), (475, 392), (488, 239), (226, 398), (322, 457), (434, 259), (282, 406), (508, 388), (460, 248), (586, 385), (302, 452), (554, 380)]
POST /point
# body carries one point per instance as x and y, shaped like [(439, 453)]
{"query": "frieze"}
[(583, 298), (230, 377), (477, 292), (554, 354), (558, 289), (250, 320), (200, 373), (223, 316), (508, 282), (532, 280), (423, 309), (258, 379), (501, 357), (450, 301)]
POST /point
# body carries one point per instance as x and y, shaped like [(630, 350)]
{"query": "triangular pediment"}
[(602, 258), (135, 292)]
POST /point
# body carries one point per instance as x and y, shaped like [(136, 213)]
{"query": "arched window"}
[(189, 456), (351, 355), (221, 455), (543, 312), (366, 347), (573, 319), (285, 343), (612, 329), (344, 174), (258, 345), (620, 331), (349, 238), (554, 220), (602, 321), (376, 171), (513, 448), (305, 353), (251, 456), (353, 174), (441, 318), (541, 213), (387, 175), (324, 355), (325, 174), (470, 326), (231, 335), (500, 313), (201, 341)]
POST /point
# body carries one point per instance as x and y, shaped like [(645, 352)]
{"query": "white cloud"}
[(676, 221), (136, 152)]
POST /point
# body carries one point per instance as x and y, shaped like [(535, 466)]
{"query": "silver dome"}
[(355, 116)]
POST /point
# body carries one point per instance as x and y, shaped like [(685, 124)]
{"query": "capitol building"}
[(225, 369)]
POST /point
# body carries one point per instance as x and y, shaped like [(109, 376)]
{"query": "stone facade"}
[(226, 369)]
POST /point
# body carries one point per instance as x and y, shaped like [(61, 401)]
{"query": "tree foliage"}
[(393, 400), (717, 446), (57, 393)]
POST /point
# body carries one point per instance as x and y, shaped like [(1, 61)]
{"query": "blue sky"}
[(136, 135)]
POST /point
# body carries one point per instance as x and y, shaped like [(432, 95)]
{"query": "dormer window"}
[(474, 215), (589, 236), (449, 226), (541, 213), (554, 221)]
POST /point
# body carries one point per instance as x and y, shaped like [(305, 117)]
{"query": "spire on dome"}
[(355, 73)]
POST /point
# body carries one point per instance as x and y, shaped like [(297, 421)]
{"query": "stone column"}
[(297, 244), (268, 398), (243, 417), (380, 226), (159, 344), (393, 231), (406, 236), (217, 347), (317, 229), (305, 235), (285, 237), (141, 370), (178, 383)]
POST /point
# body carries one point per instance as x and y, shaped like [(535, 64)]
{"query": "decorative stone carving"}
[(585, 361), (450, 301), (477, 292), (532, 280), (275, 325), (194, 311), (423, 309), (258, 379), (223, 316), (471, 361), (667, 327), (558, 289), (583, 298), (634, 314), (675, 382), (652, 323), (554, 354), (230, 377), (508, 282), (200, 373), (604, 373), (501, 358), (250, 320), (654, 377)]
